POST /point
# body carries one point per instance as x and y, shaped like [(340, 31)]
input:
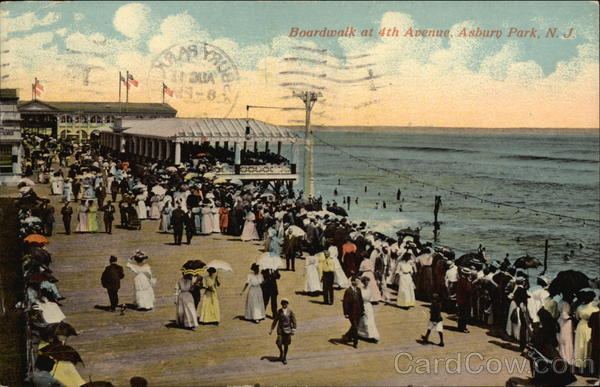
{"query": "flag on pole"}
[(36, 90), (38, 85), (167, 91), (124, 81), (132, 80)]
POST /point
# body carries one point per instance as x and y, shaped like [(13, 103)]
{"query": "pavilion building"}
[(177, 140), (11, 148), (78, 120)]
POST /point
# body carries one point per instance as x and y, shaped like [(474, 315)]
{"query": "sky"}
[(244, 55)]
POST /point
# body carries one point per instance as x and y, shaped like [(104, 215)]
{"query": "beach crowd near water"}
[(555, 321)]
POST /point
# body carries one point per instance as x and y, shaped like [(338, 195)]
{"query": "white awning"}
[(208, 130)]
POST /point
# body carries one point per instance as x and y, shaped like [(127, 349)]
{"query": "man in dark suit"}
[(177, 221), (67, 213), (100, 195), (190, 226), (109, 216), (353, 310), (285, 321), (111, 281), (269, 288), (48, 217)]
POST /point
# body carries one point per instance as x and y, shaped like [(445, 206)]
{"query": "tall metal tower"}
[(309, 98)]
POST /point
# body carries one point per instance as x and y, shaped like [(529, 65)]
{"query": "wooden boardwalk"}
[(116, 347)]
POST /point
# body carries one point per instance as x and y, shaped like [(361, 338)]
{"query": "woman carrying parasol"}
[(210, 312), (143, 281)]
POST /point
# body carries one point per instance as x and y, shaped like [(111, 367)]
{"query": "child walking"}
[(435, 320)]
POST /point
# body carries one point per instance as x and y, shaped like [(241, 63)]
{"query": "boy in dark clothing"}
[(435, 320)]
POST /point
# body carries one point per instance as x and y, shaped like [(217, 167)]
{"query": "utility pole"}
[(309, 98)]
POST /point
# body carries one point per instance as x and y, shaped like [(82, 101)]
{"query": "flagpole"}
[(34, 91), (163, 93), (119, 87), (126, 89)]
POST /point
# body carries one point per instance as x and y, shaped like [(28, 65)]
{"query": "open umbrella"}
[(98, 383), (236, 182), (171, 169), (27, 181), (268, 261), (32, 219), (527, 262), (194, 264), (338, 211), (470, 259), (209, 175), (220, 181), (568, 282), (60, 352), (36, 239), (159, 190), (296, 231), (220, 265), (59, 329), (190, 175)]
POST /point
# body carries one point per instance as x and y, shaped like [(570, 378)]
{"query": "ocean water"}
[(556, 173)]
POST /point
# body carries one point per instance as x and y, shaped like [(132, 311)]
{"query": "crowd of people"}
[(552, 321)]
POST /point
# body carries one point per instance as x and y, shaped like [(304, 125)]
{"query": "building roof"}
[(104, 107), (9, 94), (208, 129)]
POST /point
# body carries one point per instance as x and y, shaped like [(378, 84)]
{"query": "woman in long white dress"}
[(67, 192), (339, 277), (165, 220), (207, 220), (367, 270), (82, 217), (155, 207), (143, 282), (187, 315), (565, 334), (141, 208), (214, 209), (406, 286), (513, 322), (249, 232), (583, 333), (367, 329), (57, 184), (311, 272), (255, 306)]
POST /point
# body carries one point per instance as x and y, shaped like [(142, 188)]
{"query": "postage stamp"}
[(202, 75)]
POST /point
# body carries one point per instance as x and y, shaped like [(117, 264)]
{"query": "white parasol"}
[(268, 261), (27, 181), (25, 188), (159, 190), (296, 231), (220, 265)]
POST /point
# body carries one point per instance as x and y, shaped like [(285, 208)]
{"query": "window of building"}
[(6, 158)]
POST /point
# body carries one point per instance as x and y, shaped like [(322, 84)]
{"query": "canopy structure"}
[(208, 130), (175, 139)]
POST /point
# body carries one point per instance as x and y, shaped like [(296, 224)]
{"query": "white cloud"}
[(25, 22), (177, 29), (78, 16), (132, 20), (61, 32)]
